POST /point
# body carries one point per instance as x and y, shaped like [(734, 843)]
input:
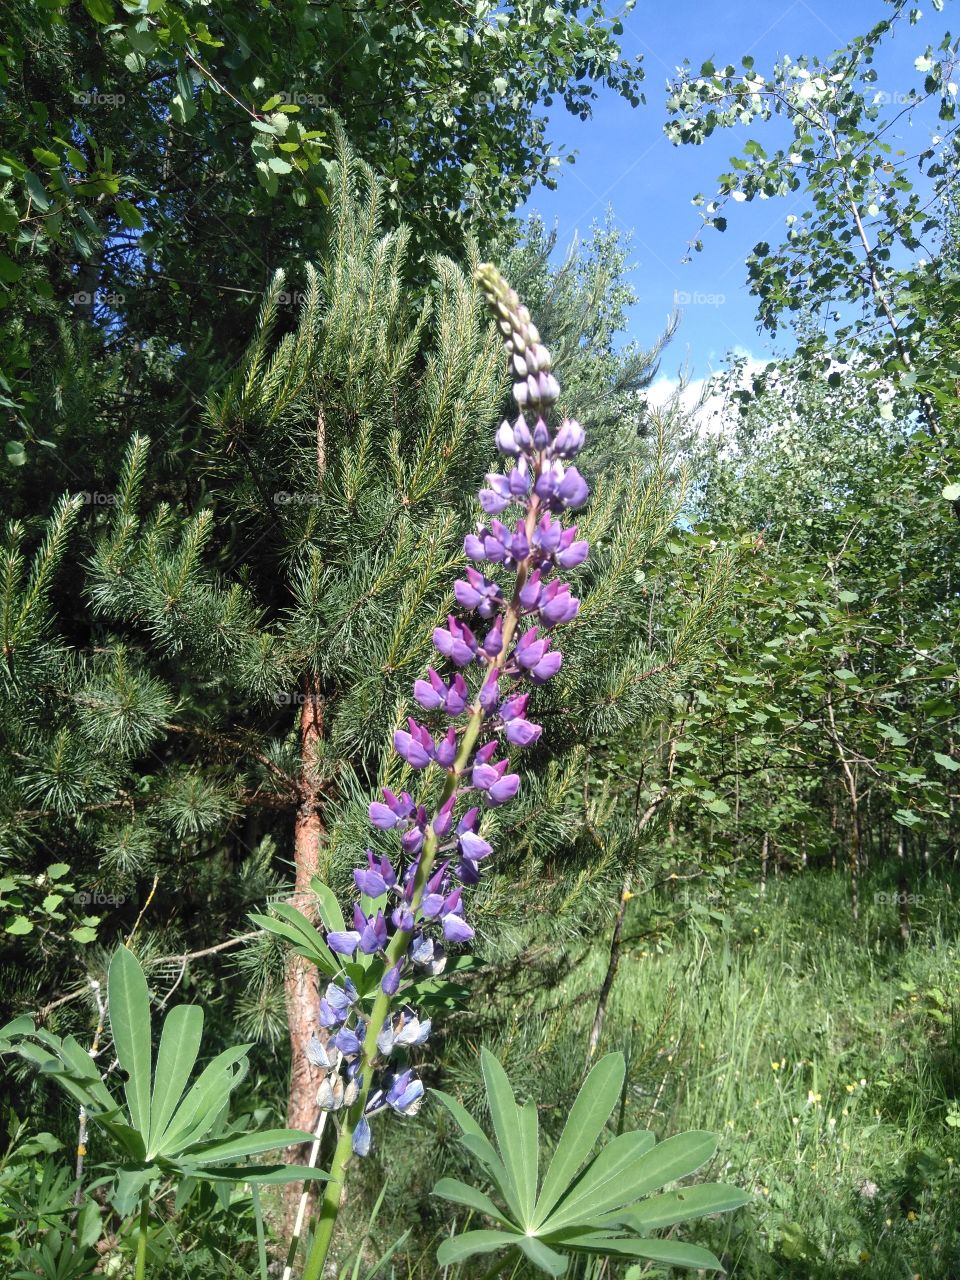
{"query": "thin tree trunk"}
[(301, 983), (764, 858), (613, 964), (613, 961), (904, 889), (853, 839)]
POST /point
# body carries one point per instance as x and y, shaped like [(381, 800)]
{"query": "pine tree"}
[(203, 726)]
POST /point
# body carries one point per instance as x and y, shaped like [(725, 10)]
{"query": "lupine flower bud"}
[(506, 440), (444, 819), (362, 1137), (330, 1093), (493, 641), (569, 439), (316, 1053), (518, 481), (488, 694), (446, 751), (390, 982)]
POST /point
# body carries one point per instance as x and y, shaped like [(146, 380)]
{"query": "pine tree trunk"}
[(301, 984)]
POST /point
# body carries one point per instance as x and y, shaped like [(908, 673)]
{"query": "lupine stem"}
[(330, 1204), (140, 1270)]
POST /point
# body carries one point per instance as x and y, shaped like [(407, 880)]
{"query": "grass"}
[(826, 1055)]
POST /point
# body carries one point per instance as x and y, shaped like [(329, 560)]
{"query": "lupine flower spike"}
[(502, 647)]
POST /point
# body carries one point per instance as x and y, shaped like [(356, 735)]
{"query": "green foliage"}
[(170, 1126), (857, 259), (168, 240), (587, 1204)]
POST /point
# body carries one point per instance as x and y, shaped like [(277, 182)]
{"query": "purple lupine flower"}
[(556, 604), (416, 747), (456, 641), (344, 941), (347, 1041), (569, 439), (518, 731), (373, 931), (396, 810), (477, 593), (441, 849), (496, 497), (405, 1094), (376, 878), (571, 553)]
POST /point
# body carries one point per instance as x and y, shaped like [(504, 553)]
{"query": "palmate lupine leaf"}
[(589, 1202), (675, 1206), (169, 1128)]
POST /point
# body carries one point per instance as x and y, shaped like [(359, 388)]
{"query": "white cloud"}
[(708, 408)]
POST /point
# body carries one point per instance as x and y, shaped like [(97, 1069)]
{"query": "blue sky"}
[(626, 163)]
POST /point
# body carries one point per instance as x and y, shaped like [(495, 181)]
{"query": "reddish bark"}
[(301, 984)]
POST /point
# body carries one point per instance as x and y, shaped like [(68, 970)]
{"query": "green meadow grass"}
[(827, 1055)]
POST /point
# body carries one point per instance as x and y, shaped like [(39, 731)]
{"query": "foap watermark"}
[(97, 898), (93, 498), (899, 899), (283, 499), (92, 98), (86, 299), (684, 298), (893, 98), (290, 299), (290, 699), (297, 98)]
